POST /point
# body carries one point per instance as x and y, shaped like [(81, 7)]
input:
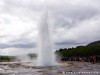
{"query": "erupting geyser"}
[(46, 54)]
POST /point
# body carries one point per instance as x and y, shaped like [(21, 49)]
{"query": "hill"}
[(80, 51), (96, 43)]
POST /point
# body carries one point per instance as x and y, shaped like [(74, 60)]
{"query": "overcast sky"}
[(73, 22)]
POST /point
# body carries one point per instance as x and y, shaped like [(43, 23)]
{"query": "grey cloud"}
[(27, 45), (3, 36), (29, 5), (85, 32), (67, 42), (67, 16), (23, 9), (73, 12)]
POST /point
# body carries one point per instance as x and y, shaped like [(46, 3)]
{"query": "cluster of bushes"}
[(7, 58), (32, 55)]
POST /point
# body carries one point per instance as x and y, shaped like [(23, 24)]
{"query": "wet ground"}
[(65, 68)]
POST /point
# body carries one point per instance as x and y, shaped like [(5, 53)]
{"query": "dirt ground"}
[(64, 68)]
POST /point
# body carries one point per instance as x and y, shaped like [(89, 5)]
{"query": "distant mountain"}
[(96, 43)]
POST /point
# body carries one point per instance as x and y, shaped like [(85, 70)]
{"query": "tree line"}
[(7, 58), (79, 51)]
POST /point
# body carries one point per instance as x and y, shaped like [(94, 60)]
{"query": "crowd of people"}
[(92, 59)]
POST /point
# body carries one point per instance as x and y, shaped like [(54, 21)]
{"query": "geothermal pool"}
[(64, 68)]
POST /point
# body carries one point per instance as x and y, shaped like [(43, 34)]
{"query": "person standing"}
[(94, 59)]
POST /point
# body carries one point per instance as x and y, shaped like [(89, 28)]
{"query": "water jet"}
[(46, 54)]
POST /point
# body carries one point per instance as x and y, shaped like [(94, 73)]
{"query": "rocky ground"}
[(64, 68)]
